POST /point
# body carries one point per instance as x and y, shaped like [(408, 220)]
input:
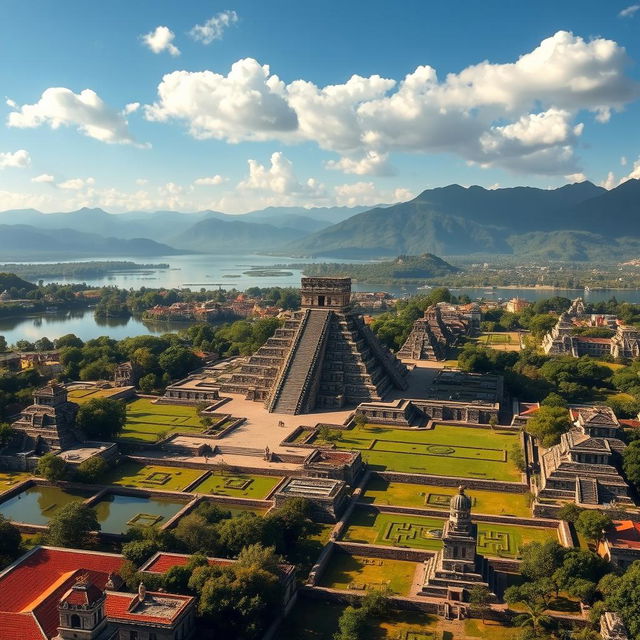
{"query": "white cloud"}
[(610, 181), (210, 181), (75, 184), (372, 164), (519, 115), (16, 160), (141, 181), (366, 193), (59, 106), (44, 178), (161, 39), (629, 11), (576, 177), (131, 107), (214, 28), (623, 161)]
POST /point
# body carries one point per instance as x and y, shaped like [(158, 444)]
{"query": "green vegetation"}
[(380, 491), (401, 269), (238, 485), (134, 474), (90, 269), (149, 422), (101, 419), (359, 573), (421, 532), (51, 467), (71, 526), (10, 478), (81, 396), (435, 451)]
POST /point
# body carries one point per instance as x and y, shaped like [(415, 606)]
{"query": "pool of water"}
[(117, 513), (38, 504)]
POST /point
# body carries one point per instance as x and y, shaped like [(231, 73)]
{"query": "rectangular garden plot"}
[(358, 573), (148, 422), (443, 450), (238, 485), (133, 474), (380, 491), (419, 532)]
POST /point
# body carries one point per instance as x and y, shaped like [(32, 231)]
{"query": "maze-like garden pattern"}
[(495, 543), (404, 533), (238, 483), (441, 500)]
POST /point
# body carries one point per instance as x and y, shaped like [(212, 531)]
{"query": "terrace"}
[(144, 476)]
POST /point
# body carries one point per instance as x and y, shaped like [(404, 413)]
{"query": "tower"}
[(81, 611), (457, 568)]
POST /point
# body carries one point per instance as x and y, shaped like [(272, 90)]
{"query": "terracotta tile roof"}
[(626, 534), (594, 340), (634, 424), (83, 594), (20, 626), (127, 606)]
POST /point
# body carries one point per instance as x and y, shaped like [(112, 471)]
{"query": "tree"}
[(10, 540), (71, 525), (148, 383), (624, 597), (480, 598), (592, 524), (3, 344), (178, 361), (44, 344), (51, 467), (102, 418), (548, 424), (68, 340), (631, 462), (541, 559), (555, 400), (6, 432), (570, 512), (359, 420), (92, 469), (138, 551), (256, 556)]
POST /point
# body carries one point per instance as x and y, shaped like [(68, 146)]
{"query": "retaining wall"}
[(453, 481)]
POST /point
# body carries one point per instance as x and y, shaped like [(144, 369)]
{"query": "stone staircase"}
[(587, 491), (290, 394), (240, 451)]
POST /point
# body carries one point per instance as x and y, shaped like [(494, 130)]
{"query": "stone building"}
[(328, 497), (433, 334), (49, 422), (194, 389), (127, 374), (457, 567), (324, 357), (621, 545), (612, 627), (583, 466)]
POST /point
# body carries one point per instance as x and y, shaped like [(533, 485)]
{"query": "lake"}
[(212, 272)]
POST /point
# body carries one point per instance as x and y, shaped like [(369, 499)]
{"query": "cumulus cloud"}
[(16, 160), (366, 193), (611, 181), (629, 11), (161, 39), (43, 178), (210, 181), (131, 107), (59, 106), (214, 28), (75, 184), (141, 181), (576, 177), (520, 115)]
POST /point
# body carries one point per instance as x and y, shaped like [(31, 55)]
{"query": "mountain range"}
[(576, 222)]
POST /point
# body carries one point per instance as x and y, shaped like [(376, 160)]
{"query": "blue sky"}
[(498, 93)]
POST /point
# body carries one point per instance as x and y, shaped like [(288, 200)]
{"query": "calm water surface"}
[(117, 511), (38, 504)]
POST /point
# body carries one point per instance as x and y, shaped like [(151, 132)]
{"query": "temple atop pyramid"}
[(324, 357)]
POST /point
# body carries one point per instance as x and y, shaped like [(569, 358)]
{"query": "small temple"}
[(457, 567)]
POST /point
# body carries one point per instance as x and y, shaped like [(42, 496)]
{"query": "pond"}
[(117, 513), (38, 504)]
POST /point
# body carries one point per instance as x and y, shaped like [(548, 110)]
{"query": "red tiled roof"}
[(634, 424), (19, 626), (120, 605), (595, 340), (626, 534), (162, 562), (83, 594)]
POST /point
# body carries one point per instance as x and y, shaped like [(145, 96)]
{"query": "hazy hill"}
[(11, 280), (566, 223), (24, 242)]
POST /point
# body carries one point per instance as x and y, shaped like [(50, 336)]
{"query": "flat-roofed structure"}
[(328, 497), (194, 389)]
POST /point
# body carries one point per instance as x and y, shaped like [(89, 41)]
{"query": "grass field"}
[(10, 478), (502, 341), (81, 396), (419, 532), (363, 574), (146, 421), (437, 451), (133, 474), (488, 630), (380, 491), (238, 485), (318, 620)]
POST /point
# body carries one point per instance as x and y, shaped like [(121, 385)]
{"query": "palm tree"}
[(535, 617), (585, 633)]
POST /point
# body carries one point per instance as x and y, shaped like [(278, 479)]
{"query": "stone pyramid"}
[(324, 357)]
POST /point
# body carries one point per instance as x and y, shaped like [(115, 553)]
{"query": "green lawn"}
[(419, 532), (358, 573), (238, 485), (444, 450), (134, 474), (488, 630), (318, 620), (380, 491), (146, 421), (80, 396), (10, 478)]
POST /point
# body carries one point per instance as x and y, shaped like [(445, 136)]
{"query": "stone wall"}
[(453, 481), (379, 551)]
